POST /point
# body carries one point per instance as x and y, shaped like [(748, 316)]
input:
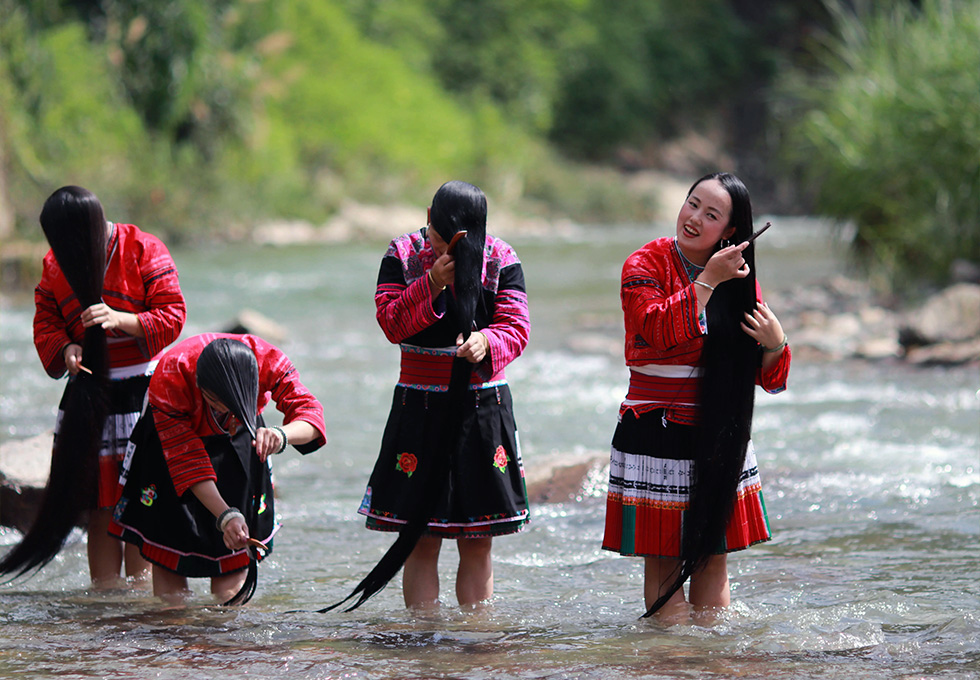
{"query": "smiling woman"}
[(684, 489)]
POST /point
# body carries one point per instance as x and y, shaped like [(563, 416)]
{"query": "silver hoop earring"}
[(724, 243)]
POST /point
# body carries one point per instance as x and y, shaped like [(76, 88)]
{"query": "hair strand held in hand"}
[(75, 227), (456, 207), (727, 398)]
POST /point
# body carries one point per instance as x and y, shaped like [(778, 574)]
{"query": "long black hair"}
[(228, 369), (727, 398), (457, 206), (75, 227)]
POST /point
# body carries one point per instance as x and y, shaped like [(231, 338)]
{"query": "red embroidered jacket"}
[(182, 417), (140, 278), (662, 321), (407, 313)]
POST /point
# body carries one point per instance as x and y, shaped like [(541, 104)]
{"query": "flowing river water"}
[(871, 474)]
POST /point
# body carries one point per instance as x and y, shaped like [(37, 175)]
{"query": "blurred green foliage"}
[(890, 136), (194, 117)]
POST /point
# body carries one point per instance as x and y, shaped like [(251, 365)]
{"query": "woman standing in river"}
[(450, 464), (108, 301), (684, 489)]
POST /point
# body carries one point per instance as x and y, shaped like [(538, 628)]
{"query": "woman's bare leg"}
[(137, 568), (658, 574), (105, 553), (225, 587), (710, 591), (169, 587), (474, 578), (420, 576)]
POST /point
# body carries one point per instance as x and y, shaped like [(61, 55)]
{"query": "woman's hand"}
[(236, 533), (442, 274), (763, 326), (73, 357), (101, 314), (267, 442), (726, 264), (475, 349)]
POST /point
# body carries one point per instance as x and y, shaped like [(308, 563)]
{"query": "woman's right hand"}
[(73, 357), (443, 272), (726, 264), (236, 533)]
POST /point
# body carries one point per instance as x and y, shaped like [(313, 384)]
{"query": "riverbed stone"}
[(24, 468), (255, 323), (952, 315), (564, 477)]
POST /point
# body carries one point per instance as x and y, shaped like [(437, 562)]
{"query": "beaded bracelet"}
[(285, 439), (777, 347), (227, 516)]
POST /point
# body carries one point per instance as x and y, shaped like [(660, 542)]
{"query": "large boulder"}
[(563, 477)]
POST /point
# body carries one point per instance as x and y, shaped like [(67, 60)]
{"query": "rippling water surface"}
[(871, 472)]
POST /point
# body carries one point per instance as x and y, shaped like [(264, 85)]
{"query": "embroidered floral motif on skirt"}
[(486, 494)]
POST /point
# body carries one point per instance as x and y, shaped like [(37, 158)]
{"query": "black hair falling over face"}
[(228, 368), (75, 227), (457, 206), (727, 398)]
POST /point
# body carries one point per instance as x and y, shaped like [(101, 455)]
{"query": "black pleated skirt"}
[(483, 493), (178, 532)]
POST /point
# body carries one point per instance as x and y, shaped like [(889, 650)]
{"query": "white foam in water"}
[(870, 473)]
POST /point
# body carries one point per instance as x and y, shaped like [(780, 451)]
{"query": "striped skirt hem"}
[(650, 481)]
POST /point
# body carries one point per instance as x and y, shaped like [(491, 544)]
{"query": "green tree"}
[(889, 136), (65, 121), (650, 69)]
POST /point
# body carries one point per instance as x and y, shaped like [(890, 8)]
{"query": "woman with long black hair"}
[(108, 301), (684, 489), (450, 467), (198, 481)]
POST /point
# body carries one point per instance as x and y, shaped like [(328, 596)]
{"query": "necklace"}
[(692, 269)]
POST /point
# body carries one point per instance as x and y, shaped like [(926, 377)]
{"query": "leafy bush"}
[(890, 137)]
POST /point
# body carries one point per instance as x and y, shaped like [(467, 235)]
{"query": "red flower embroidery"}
[(500, 459), (407, 463)]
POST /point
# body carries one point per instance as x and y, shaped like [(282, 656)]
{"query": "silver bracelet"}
[(777, 347), (285, 439), (227, 516), (706, 285)]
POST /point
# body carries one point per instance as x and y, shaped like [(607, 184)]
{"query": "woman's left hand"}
[(267, 441), (763, 326), (101, 314), (474, 349)]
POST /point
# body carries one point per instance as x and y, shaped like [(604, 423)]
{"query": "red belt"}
[(667, 391), (425, 368)]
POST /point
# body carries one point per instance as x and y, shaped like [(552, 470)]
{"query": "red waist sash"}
[(429, 368)]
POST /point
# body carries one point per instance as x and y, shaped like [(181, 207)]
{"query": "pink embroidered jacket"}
[(407, 313)]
